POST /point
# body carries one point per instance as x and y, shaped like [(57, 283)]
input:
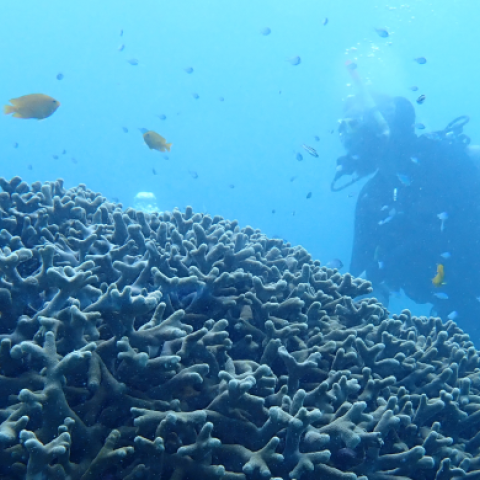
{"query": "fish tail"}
[(168, 146), (8, 109)]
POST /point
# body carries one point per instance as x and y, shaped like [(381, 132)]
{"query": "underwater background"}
[(223, 83)]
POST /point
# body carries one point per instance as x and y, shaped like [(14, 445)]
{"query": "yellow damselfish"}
[(156, 142), (437, 280), (36, 105)]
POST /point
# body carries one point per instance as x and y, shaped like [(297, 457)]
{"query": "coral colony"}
[(177, 346)]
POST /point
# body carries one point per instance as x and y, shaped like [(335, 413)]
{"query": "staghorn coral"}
[(175, 346)]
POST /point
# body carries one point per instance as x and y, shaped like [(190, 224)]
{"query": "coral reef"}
[(177, 346)]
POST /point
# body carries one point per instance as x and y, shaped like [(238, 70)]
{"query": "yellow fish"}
[(156, 141), (36, 105), (437, 280)]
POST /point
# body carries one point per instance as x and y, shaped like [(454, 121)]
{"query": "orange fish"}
[(36, 105), (437, 280), (156, 142)]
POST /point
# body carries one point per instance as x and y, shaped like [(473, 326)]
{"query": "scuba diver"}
[(417, 218)]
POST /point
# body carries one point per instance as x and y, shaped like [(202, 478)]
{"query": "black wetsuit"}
[(399, 241)]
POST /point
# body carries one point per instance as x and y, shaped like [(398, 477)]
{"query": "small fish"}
[(446, 255), (193, 173), (309, 195), (293, 213), (382, 32), (121, 48), (155, 141), (443, 217), (30, 167), (125, 129), (221, 99), (133, 61), (143, 130), (74, 160), (325, 22), (36, 105), (317, 138), (154, 171), (415, 160), (395, 194), (121, 32), (381, 265), (420, 60), (351, 66), (421, 99), (55, 157), (232, 185), (196, 96), (166, 157), (60, 76), (351, 194), (441, 295), (386, 220), (15, 145), (310, 150), (414, 88), (419, 126), (334, 263), (64, 152), (295, 60), (266, 31), (293, 178), (404, 179), (452, 315), (273, 211), (299, 156), (162, 117), (188, 70), (439, 278)]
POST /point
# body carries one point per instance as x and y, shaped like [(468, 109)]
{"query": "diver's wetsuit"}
[(399, 241)]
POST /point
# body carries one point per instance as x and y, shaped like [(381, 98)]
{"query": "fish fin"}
[(8, 109), (17, 115), (168, 146)]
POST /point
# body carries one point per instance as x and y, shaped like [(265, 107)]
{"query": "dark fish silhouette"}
[(421, 99), (420, 60), (382, 32)]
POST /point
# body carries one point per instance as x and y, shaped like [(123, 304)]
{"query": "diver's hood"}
[(371, 127)]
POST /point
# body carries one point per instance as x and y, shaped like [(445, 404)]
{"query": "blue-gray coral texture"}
[(177, 346)]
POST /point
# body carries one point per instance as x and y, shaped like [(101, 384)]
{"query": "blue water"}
[(251, 139)]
